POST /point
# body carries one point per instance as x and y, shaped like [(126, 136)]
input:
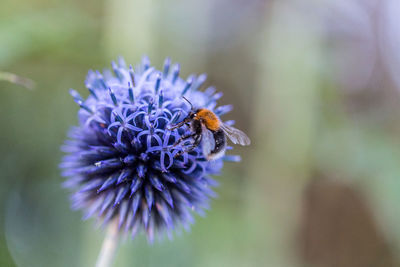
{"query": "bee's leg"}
[(184, 138), (185, 121), (197, 139)]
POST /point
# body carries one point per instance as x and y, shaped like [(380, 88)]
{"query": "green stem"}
[(109, 247), (12, 78)]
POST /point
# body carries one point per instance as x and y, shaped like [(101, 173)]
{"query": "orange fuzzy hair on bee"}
[(208, 117)]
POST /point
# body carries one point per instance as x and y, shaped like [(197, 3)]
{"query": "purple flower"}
[(121, 161)]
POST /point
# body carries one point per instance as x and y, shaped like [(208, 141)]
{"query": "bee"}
[(207, 129)]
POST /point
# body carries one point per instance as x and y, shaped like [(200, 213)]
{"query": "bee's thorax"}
[(210, 120)]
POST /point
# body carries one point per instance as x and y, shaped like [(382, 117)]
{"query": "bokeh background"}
[(315, 84)]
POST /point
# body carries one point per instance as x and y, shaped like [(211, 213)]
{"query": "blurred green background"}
[(315, 84)]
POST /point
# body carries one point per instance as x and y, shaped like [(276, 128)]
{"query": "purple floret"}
[(121, 160)]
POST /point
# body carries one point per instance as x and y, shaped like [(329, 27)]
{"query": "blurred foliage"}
[(311, 82)]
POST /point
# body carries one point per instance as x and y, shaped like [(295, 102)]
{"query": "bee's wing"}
[(207, 141), (235, 135)]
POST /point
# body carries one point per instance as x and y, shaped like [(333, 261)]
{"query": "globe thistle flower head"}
[(122, 162)]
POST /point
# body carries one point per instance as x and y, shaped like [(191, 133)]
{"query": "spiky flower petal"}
[(121, 161)]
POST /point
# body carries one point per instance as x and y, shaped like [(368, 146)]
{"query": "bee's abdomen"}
[(220, 142)]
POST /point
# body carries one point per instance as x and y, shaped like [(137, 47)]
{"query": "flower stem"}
[(12, 78), (109, 247)]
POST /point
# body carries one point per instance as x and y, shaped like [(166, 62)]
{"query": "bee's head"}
[(192, 114)]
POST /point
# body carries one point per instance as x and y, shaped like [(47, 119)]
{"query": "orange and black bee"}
[(207, 129)]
